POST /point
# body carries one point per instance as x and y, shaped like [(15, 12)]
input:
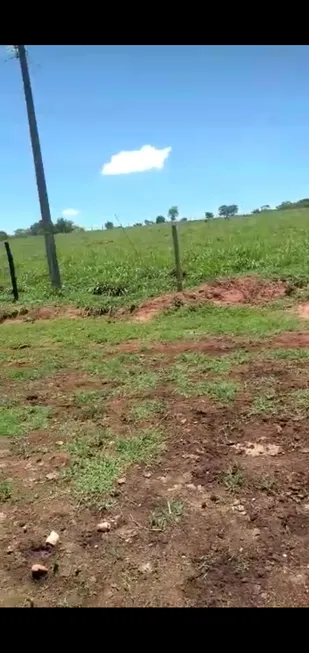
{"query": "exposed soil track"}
[(226, 292)]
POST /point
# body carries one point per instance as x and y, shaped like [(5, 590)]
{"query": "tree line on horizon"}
[(226, 211)]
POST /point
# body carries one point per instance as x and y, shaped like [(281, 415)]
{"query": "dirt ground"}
[(226, 292), (219, 519)]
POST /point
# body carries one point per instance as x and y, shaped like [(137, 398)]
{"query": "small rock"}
[(52, 539), (2, 517), (59, 442), (191, 486), (104, 527), (214, 498), (38, 571), (183, 421), (121, 481), (146, 568), (256, 532), (147, 474), (51, 476), (9, 550)]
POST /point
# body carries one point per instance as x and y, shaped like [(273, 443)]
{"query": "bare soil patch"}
[(225, 292), (41, 313), (219, 519), (303, 311)]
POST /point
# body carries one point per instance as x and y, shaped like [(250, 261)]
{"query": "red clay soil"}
[(41, 313), (215, 346), (225, 292), (303, 311)]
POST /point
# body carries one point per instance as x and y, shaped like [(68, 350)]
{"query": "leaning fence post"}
[(12, 269), (177, 257)]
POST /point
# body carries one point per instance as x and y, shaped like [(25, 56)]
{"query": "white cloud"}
[(126, 162), (69, 213)]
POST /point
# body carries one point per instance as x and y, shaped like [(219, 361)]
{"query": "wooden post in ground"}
[(177, 257), (12, 270)]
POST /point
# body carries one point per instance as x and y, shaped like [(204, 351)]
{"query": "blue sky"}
[(236, 120)]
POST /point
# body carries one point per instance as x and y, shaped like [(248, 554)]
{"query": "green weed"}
[(233, 478), (266, 403), (143, 409), (97, 463), (163, 516), (19, 421), (6, 490)]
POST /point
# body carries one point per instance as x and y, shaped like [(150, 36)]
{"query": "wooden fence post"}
[(12, 270), (177, 258)]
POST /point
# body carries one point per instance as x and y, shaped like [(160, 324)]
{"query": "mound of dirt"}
[(303, 311), (225, 292), (41, 313)]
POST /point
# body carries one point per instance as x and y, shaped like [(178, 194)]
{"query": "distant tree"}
[(148, 222), (266, 207), (256, 211), (160, 219), (173, 213), (184, 220), (3, 235), (109, 225), (21, 233), (302, 204), (37, 229), (137, 224), (63, 226), (228, 210), (208, 216), (284, 206)]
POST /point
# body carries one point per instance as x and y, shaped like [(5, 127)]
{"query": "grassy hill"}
[(137, 262)]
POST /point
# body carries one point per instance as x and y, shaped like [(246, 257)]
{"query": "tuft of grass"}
[(265, 403), (97, 463), (19, 421), (6, 490), (197, 361), (233, 478), (298, 399), (128, 372), (142, 410), (189, 386), (164, 516), (287, 354), (91, 402), (223, 391), (267, 484)]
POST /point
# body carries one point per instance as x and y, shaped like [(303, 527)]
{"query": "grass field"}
[(138, 262), (169, 456)]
